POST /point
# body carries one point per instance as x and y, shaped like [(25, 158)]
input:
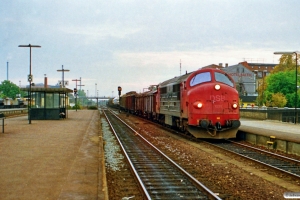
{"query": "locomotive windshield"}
[(200, 78), (223, 78)]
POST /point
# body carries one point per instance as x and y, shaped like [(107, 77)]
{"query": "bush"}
[(78, 107), (92, 108)]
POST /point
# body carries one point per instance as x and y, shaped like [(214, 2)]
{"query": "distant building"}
[(246, 76), (245, 80), (260, 69)]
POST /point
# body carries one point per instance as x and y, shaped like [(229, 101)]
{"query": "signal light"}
[(197, 104), (217, 87), (75, 91)]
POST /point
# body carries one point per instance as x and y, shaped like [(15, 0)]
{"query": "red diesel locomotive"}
[(203, 103)]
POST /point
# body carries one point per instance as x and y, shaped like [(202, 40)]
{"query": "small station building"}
[(48, 103)]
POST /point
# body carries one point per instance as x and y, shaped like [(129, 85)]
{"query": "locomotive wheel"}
[(184, 127)]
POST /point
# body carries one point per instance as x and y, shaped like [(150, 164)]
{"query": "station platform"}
[(53, 159), (281, 130), (286, 135)]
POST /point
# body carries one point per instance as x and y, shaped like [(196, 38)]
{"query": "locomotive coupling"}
[(218, 126)]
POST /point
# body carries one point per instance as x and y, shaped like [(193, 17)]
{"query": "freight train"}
[(203, 103)]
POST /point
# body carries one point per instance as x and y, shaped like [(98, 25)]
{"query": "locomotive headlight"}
[(197, 104), (217, 87), (234, 105)]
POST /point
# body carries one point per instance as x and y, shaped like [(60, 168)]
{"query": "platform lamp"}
[(29, 77), (296, 88)]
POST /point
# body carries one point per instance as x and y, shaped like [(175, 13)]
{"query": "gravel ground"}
[(119, 178), (219, 171)]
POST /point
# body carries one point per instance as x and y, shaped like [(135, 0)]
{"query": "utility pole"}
[(180, 67), (75, 89), (63, 75), (80, 89), (80, 83), (62, 70)]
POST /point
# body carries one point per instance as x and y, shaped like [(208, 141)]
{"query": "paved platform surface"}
[(282, 130), (52, 159)]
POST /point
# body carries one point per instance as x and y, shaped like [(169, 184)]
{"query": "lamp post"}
[(29, 78), (296, 87)]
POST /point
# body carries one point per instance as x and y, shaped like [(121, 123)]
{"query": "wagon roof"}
[(150, 92), (131, 92)]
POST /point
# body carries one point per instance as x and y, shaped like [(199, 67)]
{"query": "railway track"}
[(159, 177), (275, 161)]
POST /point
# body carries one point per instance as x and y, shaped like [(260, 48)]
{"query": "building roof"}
[(258, 66)]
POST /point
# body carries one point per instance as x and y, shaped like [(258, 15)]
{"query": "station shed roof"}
[(48, 90)]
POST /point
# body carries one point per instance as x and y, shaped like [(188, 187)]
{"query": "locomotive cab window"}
[(200, 78), (223, 78)]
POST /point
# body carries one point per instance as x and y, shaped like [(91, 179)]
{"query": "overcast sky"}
[(136, 43)]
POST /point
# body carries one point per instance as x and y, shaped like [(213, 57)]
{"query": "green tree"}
[(284, 83), (9, 90), (277, 100), (81, 93)]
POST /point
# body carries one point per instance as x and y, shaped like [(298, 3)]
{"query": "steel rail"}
[(258, 153), (267, 152), (208, 192), (129, 160)]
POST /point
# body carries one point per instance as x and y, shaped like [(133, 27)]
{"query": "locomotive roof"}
[(175, 80)]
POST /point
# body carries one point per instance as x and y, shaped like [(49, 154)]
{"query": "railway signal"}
[(119, 90), (75, 91)]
